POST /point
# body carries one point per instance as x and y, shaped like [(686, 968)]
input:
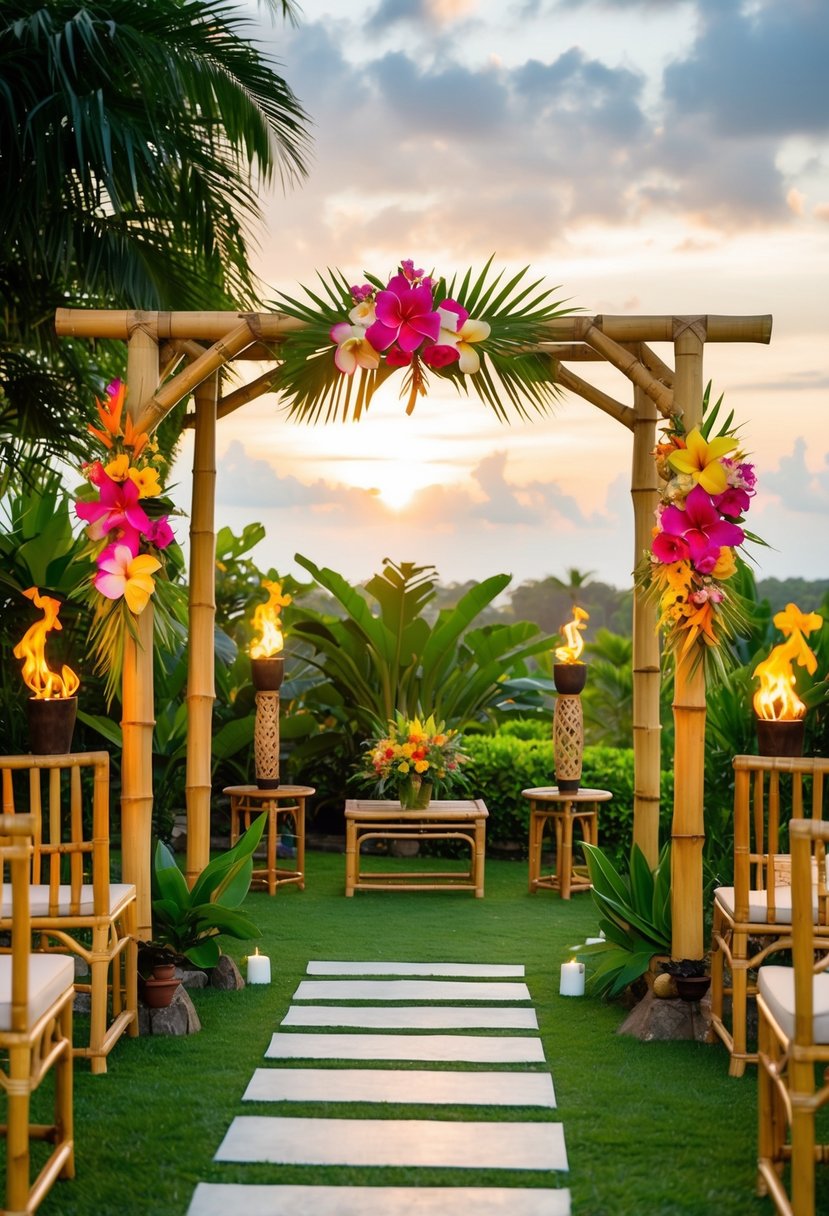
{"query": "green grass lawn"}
[(650, 1128)]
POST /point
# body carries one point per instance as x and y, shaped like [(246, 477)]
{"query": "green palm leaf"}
[(511, 377)]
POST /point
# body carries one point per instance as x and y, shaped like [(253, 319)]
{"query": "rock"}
[(664, 1020), (226, 975), (82, 1003), (663, 986), (192, 977), (179, 1017)]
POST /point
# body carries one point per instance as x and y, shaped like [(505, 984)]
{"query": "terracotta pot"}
[(159, 988)]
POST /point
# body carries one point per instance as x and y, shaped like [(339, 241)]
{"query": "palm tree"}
[(135, 136)]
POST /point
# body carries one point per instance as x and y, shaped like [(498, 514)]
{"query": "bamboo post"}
[(647, 767), (688, 831), (137, 705), (201, 691)]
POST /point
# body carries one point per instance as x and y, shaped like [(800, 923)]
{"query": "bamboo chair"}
[(793, 1007), (36, 995), (753, 918), (74, 906)]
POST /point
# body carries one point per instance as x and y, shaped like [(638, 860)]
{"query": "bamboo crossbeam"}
[(655, 365), (211, 326), (603, 401), (219, 354), (627, 363)]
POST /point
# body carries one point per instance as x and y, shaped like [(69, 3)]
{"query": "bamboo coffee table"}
[(246, 803), (564, 809), (371, 819)]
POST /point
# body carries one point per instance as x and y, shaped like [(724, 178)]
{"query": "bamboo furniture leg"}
[(547, 805), (285, 802)]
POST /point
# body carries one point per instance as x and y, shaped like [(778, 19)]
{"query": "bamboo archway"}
[(159, 342)]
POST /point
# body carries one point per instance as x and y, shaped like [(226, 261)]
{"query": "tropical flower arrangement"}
[(413, 754), (129, 532), (706, 490), (473, 332)]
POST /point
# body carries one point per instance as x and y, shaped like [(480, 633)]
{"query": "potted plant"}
[(156, 975), (187, 923), (690, 976)]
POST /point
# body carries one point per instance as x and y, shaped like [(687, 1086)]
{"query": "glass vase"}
[(415, 793)]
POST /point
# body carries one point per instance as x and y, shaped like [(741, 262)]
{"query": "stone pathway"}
[(467, 1145)]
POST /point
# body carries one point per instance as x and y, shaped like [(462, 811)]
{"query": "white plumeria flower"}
[(353, 348)]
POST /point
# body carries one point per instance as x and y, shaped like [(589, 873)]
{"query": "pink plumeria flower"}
[(405, 315), (458, 329), (123, 574), (353, 348)]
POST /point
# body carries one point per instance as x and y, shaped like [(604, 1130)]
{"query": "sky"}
[(640, 157)]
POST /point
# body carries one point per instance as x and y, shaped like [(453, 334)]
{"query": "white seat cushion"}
[(758, 913), (50, 975), (120, 894), (776, 986)]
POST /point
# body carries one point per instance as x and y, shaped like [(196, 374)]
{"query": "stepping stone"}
[(459, 970), (391, 1142), (412, 1017), (408, 990), (217, 1199), (453, 1048), (390, 1085)]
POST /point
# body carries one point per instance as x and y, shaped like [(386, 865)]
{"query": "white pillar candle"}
[(259, 968), (572, 979)]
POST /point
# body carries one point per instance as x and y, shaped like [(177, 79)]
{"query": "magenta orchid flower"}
[(160, 533), (117, 508), (353, 348), (734, 502), (395, 357), (669, 549), (702, 529), (405, 315), (123, 573)]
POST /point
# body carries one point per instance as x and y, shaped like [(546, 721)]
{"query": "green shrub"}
[(504, 765)]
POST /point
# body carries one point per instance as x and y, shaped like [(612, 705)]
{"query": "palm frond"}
[(513, 377)]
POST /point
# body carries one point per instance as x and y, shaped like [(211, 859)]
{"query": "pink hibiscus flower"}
[(117, 508), (702, 529)]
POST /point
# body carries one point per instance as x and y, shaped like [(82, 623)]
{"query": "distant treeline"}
[(549, 601)]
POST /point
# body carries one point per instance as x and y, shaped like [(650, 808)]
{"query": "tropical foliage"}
[(134, 139), (474, 332), (188, 922), (634, 917)]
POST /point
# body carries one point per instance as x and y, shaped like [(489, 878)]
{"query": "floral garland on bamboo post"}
[(130, 538), (474, 332), (706, 490)]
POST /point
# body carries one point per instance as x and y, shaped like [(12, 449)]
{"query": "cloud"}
[(756, 71), (797, 487)]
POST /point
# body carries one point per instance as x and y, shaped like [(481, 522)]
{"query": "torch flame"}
[(44, 683), (570, 652), (266, 622), (776, 699)]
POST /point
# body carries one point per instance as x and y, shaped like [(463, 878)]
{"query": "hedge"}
[(504, 765)]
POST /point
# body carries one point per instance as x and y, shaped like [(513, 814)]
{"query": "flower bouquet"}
[(477, 332), (128, 528), (413, 760), (706, 491)]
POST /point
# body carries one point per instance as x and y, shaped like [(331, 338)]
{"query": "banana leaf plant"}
[(374, 663), (188, 922), (634, 916)]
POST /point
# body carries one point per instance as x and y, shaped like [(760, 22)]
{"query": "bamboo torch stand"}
[(267, 676), (568, 725)]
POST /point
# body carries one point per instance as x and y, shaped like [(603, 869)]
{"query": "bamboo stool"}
[(373, 819), (563, 810), (287, 801)]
